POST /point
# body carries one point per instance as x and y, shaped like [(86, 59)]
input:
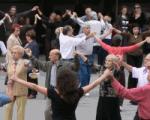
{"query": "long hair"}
[(67, 85)]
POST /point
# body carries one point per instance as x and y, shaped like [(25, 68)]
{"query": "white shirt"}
[(86, 47), (141, 74), (95, 25), (106, 28), (67, 45), (53, 75)]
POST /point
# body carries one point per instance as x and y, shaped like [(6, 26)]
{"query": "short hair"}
[(19, 49), (13, 6), (113, 57), (14, 26), (66, 29), (31, 33), (57, 52)]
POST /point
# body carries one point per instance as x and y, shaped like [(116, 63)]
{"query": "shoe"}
[(87, 94)]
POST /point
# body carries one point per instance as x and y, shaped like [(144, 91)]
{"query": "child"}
[(66, 95)]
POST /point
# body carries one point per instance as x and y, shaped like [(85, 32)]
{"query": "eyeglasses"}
[(137, 7)]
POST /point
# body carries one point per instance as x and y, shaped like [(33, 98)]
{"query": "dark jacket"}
[(34, 48), (46, 66)]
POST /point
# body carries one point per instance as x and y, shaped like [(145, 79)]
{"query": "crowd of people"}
[(71, 45)]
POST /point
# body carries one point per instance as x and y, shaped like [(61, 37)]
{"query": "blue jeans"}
[(4, 99), (85, 71)]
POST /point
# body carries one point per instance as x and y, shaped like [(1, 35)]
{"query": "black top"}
[(61, 109)]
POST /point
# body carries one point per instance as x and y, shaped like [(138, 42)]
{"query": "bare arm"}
[(127, 66), (95, 83), (33, 86)]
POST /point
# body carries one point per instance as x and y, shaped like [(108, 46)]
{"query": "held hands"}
[(35, 8), (147, 40), (28, 52), (108, 74)]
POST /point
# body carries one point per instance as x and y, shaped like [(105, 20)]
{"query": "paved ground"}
[(86, 109)]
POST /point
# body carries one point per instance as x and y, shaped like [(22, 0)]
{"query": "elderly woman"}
[(13, 40), (17, 66), (108, 104)]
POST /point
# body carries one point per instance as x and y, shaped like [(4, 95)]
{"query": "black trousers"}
[(135, 61), (30, 91), (100, 52)]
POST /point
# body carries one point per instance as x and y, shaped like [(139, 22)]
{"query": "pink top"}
[(140, 94), (120, 51)]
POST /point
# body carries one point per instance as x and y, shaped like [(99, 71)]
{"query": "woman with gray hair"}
[(108, 104), (18, 66)]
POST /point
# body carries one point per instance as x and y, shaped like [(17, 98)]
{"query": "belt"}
[(68, 59)]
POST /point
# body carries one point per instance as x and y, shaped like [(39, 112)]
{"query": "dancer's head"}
[(67, 84), (111, 61)]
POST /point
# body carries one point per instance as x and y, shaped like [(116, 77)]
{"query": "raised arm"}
[(77, 19)]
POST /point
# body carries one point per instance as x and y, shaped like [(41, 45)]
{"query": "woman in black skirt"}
[(108, 104)]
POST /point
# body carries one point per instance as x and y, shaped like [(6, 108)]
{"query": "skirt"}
[(108, 109)]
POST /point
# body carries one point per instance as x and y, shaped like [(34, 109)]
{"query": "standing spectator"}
[(32, 44), (13, 40), (17, 66), (138, 17), (122, 20)]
